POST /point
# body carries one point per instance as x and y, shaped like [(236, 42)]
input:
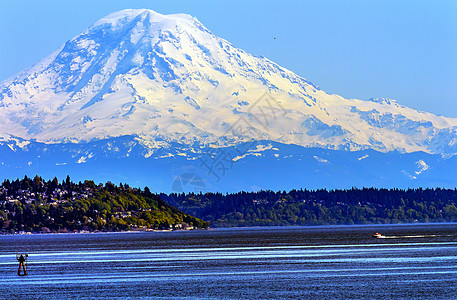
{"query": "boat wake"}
[(408, 236)]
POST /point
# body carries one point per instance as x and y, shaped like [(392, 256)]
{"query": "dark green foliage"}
[(321, 207), (36, 205)]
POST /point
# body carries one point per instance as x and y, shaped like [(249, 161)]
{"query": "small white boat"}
[(376, 235)]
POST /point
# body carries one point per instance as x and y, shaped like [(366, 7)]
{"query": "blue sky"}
[(404, 50)]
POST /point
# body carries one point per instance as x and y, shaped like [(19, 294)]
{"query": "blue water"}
[(411, 262)]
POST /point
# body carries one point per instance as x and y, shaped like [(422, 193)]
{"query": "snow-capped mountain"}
[(166, 79), (144, 98)]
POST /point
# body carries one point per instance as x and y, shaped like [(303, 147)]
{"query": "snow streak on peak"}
[(167, 78)]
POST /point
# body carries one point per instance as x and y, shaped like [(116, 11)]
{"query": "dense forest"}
[(320, 207), (36, 205)]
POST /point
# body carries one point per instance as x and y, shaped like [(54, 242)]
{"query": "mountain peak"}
[(116, 20), (122, 17)]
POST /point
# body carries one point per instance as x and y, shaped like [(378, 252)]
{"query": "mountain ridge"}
[(264, 165)]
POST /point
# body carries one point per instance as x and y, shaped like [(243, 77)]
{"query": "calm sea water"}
[(412, 262)]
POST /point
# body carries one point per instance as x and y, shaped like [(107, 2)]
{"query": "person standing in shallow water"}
[(21, 260)]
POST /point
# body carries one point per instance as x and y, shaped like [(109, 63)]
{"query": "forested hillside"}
[(36, 205), (304, 207)]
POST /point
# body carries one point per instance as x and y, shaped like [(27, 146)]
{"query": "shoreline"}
[(26, 233), (233, 228)]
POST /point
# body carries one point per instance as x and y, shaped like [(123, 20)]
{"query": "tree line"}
[(320, 207), (37, 205)]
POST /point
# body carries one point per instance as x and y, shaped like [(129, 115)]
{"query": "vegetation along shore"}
[(38, 206)]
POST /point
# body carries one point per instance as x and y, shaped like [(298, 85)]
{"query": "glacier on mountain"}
[(166, 78)]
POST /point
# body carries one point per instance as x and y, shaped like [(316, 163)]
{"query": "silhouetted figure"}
[(21, 260)]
